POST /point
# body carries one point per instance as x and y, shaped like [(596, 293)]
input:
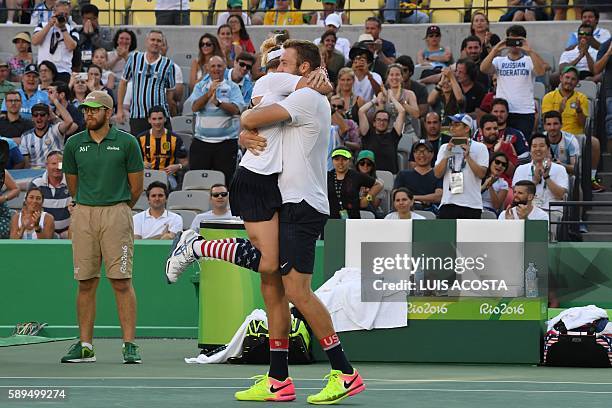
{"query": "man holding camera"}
[(57, 40), (522, 207), (462, 163)]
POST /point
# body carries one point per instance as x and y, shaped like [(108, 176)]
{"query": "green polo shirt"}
[(102, 168)]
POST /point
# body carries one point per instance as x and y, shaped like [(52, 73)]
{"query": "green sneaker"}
[(130, 354), (79, 354), (339, 386), (267, 388)]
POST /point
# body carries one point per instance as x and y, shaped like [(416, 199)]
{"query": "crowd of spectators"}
[(463, 136)]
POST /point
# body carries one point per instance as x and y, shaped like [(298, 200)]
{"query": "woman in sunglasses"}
[(366, 164), (494, 187), (208, 46)]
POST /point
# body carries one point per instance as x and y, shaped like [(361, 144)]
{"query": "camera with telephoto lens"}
[(61, 18)]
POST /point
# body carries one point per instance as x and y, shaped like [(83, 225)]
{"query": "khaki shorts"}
[(102, 233)]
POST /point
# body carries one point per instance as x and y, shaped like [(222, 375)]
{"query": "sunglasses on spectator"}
[(500, 162), (39, 114), (584, 33), (206, 44), (245, 65), (222, 194), (337, 106), (365, 163)]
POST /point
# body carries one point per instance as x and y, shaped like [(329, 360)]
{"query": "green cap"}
[(234, 3), (341, 151), (366, 154), (329, 1), (570, 68)]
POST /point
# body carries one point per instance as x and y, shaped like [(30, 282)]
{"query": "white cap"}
[(333, 19)]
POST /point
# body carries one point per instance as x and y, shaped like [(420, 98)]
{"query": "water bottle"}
[(531, 281)]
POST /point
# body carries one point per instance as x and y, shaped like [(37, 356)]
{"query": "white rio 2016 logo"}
[(502, 309), (427, 308)]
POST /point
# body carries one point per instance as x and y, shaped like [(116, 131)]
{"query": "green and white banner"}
[(476, 308)]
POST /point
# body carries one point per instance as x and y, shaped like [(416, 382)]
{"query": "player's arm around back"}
[(265, 116)]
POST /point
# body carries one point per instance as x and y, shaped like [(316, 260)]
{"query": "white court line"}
[(315, 379), (303, 388)]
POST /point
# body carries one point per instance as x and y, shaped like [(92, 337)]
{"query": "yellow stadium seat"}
[(571, 13), (143, 12), (309, 5), (199, 12), (447, 11), (494, 9), (360, 10), (106, 16)]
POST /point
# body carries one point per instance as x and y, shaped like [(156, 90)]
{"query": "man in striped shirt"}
[(57, 199), (217, 102), (152, 77)]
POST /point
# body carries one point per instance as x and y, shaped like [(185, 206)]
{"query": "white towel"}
[(578, 316)]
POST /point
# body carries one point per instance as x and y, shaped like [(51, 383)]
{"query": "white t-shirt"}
[(395, 216), (535, 214), (148, 226), (363, 88), (558, 175), (343, 46), (273, 88), (305, 144), (62, 57), (178, 74), (515, 81), (471, 196), (210, 215), (500, 184), (582, 65), (162, 5)]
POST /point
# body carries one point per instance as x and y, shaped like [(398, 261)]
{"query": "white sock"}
[(593, 173), (88, 345)]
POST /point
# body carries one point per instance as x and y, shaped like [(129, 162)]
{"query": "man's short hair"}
[(12, 92), (516, 30), (486, 119), (500, 101), (246, 56), (306, 52), (155, 109), (156, 32), (401, 190), (471, 38), (406, 61), (90, 9), (531, 188), (382, 111), (553, 114), (585, 25), (63, 87), (157, 184), (218, 185), (54, 153), (592, 10), (539, 136), (374, 20)]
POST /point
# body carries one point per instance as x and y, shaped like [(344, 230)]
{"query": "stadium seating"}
[(187, 216), (184, 59), (447, 11), (361, 10), (488, 215), (199, 10), (427, 214), (154, 175), (494, 9), (309, 5), (189, 200), (143, 12), (142, 203), (366, 215), (106, 17), (182, 124), (387, 178), (202, 179), (17, 202)]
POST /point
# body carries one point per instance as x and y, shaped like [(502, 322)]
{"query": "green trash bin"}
[(228, 293)]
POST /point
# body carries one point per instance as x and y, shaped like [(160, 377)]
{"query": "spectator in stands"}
[(78, 86), (226, 44), (384, 49), (330, 8), (494, 186), (330, 56), (32, 222), (344, 185), (366, 164), (234, 8), (403, 199), (15, 158), (12, 7), (462, 163), (479, 27), (380, 138), (522, 207), (582, 56), (420, 179), (175, 96), (604, 64), (487, 102), (525, 10), (10, 191), (499, 108), (433, 56), (345, 90), (551, 179), (473, 92), (564, 147), (431, 134), (56, 197), (156, 222), (333, 22), (29, 92), (239, 33), (162, 149), (92, 36), (447, 99), (217, 103), (100, 58), (219, 204), (94, 80), (124, 42), (43, 12), (407, 98), (208, 46), (348, 130), (23, 56), (47, 72), (471, 49), (404, 13), (61, 92), (5, 84), (46, 136), (377, 65), (141, 69), (419, 90), (14, 124), (172, 12), (366, 84), (590, 16), (240, 74), (488, 134), (57, 40), (283, 15), (516, 74)]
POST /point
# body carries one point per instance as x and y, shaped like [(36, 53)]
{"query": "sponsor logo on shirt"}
[(112, 148)]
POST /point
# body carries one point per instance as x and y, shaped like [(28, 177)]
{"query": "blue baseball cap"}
[(463, 118)]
